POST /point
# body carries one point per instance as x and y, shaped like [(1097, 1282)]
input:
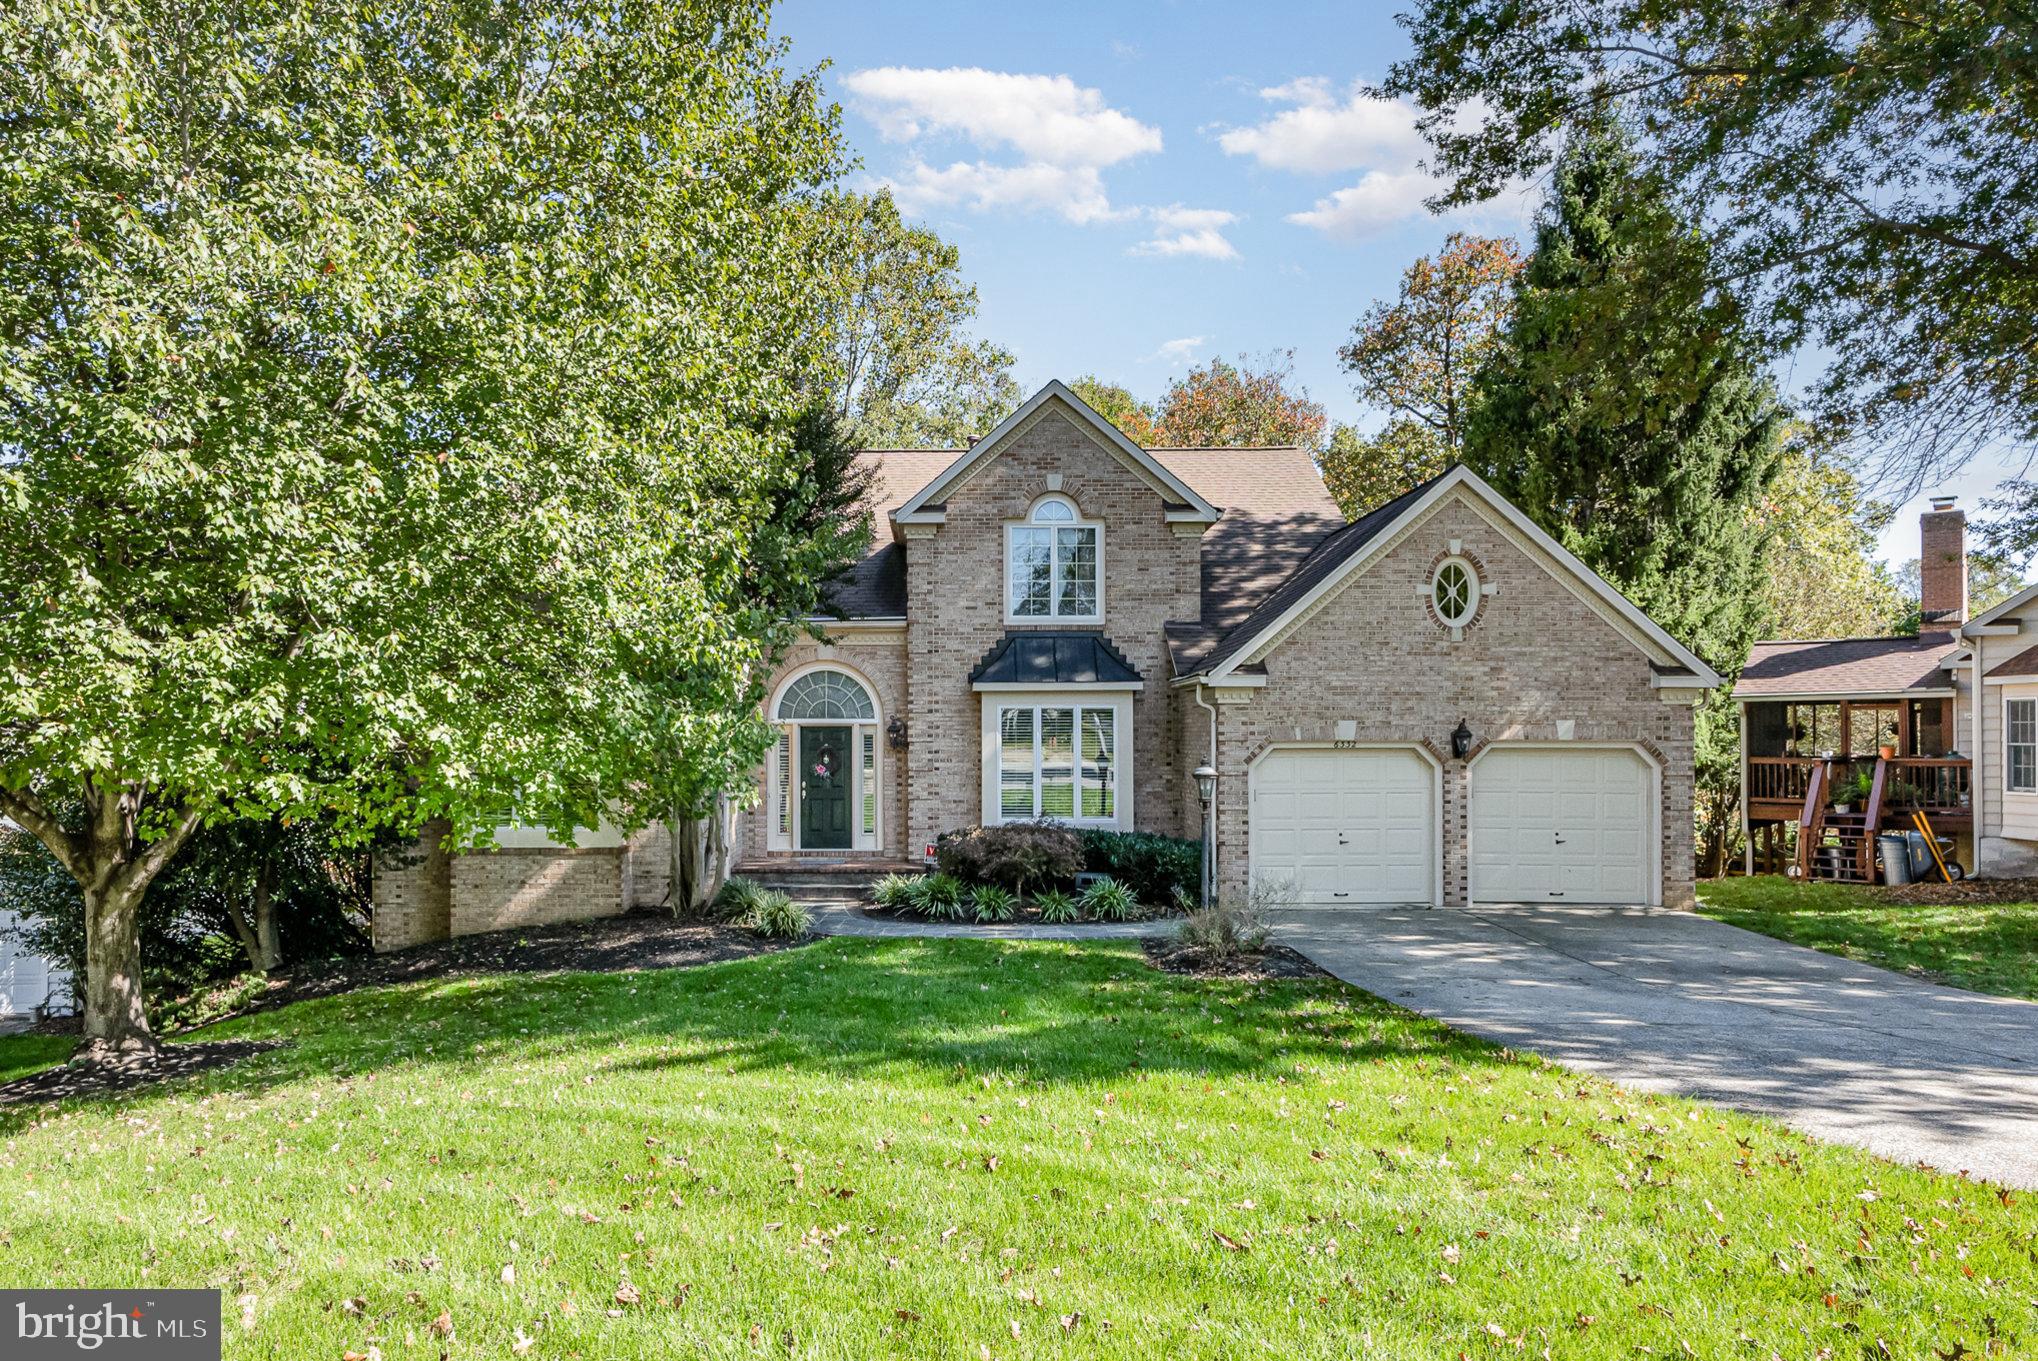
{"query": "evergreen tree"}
[(1626, 411)]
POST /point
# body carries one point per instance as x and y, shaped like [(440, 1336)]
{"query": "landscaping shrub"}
[(1014, 855), (894, 891), (1155, 868), (1110, 901), (939, 897), (775, 916), (737, 902), (1057, 908), (993, 904), (1226, 930)]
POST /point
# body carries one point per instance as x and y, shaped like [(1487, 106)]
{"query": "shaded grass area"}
[(920, 1148), (1986, 946), (21, 1055)]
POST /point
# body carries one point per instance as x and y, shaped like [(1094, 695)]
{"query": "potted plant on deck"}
[(1851, 791)]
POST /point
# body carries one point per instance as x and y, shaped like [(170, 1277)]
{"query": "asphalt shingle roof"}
[(1847, 666)]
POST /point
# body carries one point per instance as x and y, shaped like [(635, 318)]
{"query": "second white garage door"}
[(1562, 825), (1350, 826)]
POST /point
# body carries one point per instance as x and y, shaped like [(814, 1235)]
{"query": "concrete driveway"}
[(1668, 1001)]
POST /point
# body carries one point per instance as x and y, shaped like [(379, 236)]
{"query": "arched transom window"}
[(824, 696), (1053, 564)]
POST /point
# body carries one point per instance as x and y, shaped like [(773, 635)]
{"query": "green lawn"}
[(1989, 947), (964, 1149), (21, 1055)]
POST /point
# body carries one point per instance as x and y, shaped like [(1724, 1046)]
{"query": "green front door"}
[(824, 789)]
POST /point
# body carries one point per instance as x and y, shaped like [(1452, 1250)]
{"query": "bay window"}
[(1057, 760)]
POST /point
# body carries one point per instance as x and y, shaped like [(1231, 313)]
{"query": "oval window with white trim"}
[(1454, 592)]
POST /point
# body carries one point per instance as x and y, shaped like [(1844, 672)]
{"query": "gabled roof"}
[(2005, 611), (1844, 667), (1337, 557), (2025, 663), (1183, 502), (1054, 657), (1276, 511)]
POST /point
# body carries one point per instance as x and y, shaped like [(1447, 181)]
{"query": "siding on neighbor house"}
[(1537, 654), (956, 601)]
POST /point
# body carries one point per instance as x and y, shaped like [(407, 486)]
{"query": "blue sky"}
[(1138, 187)]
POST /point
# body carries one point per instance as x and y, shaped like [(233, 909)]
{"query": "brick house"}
[(1435, 703)]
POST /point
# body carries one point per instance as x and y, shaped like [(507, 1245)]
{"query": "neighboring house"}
[(1887, 727), (31, 987), (1435, 703)]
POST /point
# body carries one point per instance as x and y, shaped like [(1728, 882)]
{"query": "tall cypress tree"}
[(1627, 412)]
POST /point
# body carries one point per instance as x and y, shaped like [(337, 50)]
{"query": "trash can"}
[(1896, 856)]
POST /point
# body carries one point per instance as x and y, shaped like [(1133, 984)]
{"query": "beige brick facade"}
[(1543, 661), (1535, 656), (956, 586)]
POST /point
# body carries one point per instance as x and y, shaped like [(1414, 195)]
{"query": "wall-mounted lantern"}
[(895, 733), (1461, 741)]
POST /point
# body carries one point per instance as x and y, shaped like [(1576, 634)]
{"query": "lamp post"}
[(1206, 792)]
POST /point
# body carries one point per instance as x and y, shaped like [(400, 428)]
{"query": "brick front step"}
[(820, 880)]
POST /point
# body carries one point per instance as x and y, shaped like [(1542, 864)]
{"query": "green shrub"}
[(738, 899), (1153, 866), (1110, 901), (940, 897), (1057, 908), (993, 904), (775, 916), (1014, 855), (895, 891)]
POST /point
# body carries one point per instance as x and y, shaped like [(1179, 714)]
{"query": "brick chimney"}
[(1942, 564)]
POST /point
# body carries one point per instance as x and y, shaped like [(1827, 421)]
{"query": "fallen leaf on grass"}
[(1231, 1243), (627, 1294)]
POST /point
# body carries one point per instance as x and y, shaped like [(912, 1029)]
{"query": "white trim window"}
[(2020, 745), (1054, 565), (1454, 592), (1053, 759), (822, 695)]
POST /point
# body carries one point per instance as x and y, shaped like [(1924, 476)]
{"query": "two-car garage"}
[(1348, 825)]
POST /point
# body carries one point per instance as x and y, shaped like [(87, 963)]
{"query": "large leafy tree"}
[(1626, 412), (1865, 167), (907, 373), (1414, 357), (392, 403), (1221, 403), (1821, 578), (1116, 404)]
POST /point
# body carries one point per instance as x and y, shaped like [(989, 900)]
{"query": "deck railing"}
[(1941, 784), (1944, 783)]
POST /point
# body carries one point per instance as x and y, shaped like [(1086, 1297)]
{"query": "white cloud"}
[(1323, 134), (1189, 231), (1064, 135), (1180, 351), (1381, 199), (1326, 132)]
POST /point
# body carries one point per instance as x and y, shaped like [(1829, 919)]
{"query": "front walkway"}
[(1669, 1001), (840, 919)]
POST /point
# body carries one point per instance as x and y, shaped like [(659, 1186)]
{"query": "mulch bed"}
[(641, 940), (97, 1076), (609, 945), (1964, 891), (1274, 962)]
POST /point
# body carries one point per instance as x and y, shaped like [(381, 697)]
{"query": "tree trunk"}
[(115, 1021), (700, 859), (259, 938)]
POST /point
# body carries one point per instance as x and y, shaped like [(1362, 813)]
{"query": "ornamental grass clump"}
[(940, 897), (1057, 908), (775, 916), (1110, 901), (895, 891), (993, 904)]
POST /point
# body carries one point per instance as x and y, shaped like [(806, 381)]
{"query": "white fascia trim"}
[(1249, 681), (1067, 687), (862, 621), (1991, 630), (1703, 677), (935, 491), (1661, 682), (1973, 628)]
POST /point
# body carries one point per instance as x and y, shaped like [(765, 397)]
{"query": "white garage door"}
[(26, 981), (1338, 827), (1570, 826)]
